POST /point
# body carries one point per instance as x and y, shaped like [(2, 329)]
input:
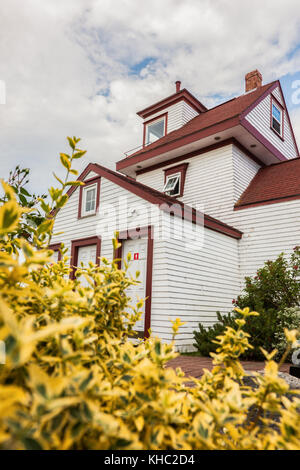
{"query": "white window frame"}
[(84, 212), (178, 179), (273, 117), (160, 118)]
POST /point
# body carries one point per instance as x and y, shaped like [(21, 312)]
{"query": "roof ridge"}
[(266, 85), (227, 110)]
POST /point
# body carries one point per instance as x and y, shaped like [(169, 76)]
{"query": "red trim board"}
[(56, 247), (279, 105), (157, 118), (196, 153), (153, 196), (88, 182), (182, 95), (132, 234), (178, 142), (178, 169), (76, 244)]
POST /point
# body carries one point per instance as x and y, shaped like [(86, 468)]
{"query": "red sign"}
[(136, 256)]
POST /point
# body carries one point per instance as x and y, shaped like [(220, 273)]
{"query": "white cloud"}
[(68, 67)]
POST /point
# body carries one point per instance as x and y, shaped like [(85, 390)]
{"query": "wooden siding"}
[(178, 115), (278, 95), (214, 181), (244, 170), (199, 282), (259, 117), (190, 285), (267, 231)]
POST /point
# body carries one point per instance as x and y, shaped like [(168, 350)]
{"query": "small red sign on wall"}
[(136, 256)]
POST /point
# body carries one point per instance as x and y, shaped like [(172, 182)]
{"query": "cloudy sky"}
[(84, 67)]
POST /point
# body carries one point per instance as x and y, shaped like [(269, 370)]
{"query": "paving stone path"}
[(193, 365)]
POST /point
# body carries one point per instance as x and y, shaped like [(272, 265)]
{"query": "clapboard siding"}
[(190, 285), (188, 112), (244, 170), (200, 282), (178, 115), (259, 117), (268, 230), (209, 181), (278, 95), (214, 180)]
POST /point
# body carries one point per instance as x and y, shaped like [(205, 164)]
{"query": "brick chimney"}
[(178, 84), (253, 80)]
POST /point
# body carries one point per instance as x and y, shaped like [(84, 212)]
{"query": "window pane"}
[(276, 126), (155, 131), (171, 183), (175, 191), (276, 113), (172, 186), (90, 200)]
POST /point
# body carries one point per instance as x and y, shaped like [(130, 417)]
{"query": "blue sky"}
[(286, 83), (81, 67)]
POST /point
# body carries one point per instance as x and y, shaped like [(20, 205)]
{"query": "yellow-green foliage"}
[(73, 380)]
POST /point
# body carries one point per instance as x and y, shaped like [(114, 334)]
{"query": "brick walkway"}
[(193, 365)]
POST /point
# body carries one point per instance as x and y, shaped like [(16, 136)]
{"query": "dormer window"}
[(175, 179), (89, 198), (276, 117), (172, 185), (155, 129)]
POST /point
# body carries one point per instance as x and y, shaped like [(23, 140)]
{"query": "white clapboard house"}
[(209, 196)]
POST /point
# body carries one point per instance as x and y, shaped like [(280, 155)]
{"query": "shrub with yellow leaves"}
[(72, 378)]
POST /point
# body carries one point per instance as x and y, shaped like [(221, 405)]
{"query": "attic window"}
[(89, 197), (276, 117), (172, 185), (155, 129), (175, 179)]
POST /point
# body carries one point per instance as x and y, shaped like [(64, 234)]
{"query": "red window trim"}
[(164, 115), (56, 247), (196, 153), (88, 182), (177, 169), (76, 244), (279, 105), (133, 234)]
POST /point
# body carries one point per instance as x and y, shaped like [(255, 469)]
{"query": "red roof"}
[(230, 109), (184, 95), (275, 183)]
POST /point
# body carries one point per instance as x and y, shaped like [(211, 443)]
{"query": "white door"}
[(85, 255), (138, 250), (54, 257)]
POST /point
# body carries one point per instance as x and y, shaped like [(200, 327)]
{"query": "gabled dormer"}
[(180, 126), (169, 114)]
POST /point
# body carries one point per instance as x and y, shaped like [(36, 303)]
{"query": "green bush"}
[(205, 336), (288, 318), (275, 292), (72, 380)]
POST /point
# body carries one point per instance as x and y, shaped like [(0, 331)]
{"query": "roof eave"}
[(184, 94), (176, 143)]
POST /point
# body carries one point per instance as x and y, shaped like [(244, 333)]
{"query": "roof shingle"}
[(274, 183), (211, 117)]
